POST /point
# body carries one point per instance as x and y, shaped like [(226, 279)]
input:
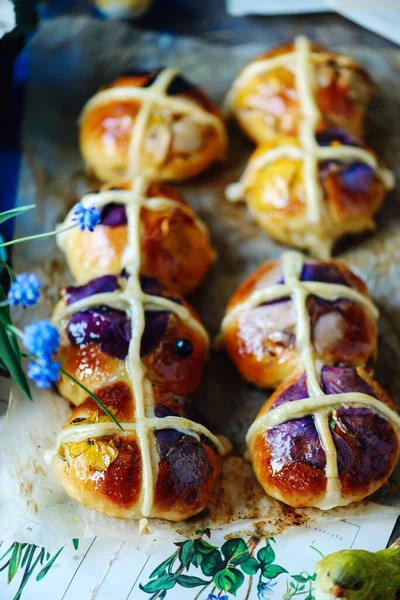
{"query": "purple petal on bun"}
[(156, 323), (340, 380), (370, 439), (296, 391), (326, 137), (357, 177), (106, 283), (167, 439), (151, 286), (108, 327), (297, 441), (186, 409), (113, 215), (188, 461), (323, 272)]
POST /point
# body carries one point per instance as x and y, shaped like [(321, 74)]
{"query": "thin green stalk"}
[(36, 237), (202, 590), (9, 269), (17, 332), (93, 396), (319, 551), (84, 388)]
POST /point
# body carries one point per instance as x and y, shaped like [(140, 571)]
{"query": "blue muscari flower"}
[(264, 590), (44, 372), (214, 597), (42, 339), (25, 290), (86, 217)]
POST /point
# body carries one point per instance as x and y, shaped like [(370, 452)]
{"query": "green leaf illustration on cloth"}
[(27, 559), (215, 572)]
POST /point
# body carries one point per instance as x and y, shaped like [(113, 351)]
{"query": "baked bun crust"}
[(277, 195), (106, 472), (175, 244), (290, 462), (95, 343), (261, 341), (139, 449), (266, 104), (175, 142)]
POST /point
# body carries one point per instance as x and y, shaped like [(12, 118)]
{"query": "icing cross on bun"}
[(128, 340), (310, 192), (329, 435), (261, 329), (153, 123), (310, 184), (174, 242), (271, 94)]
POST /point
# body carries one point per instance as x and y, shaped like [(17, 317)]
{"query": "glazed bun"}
[(96, 338), (175, 244), (154, 123), (328, 435), (312, 210), (137, 448), (265, 95), (107, 472), (261, 338), (289, 458)]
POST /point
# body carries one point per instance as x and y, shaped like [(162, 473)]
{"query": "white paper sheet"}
[(384, 19)]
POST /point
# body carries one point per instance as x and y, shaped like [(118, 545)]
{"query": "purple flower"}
[(42, 339), (25, 290), (44, 372), (86, 217), (264, 590)]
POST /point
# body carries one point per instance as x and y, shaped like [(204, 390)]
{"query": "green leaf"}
[(7, 551), (48, 566), (272, 571), (15, 212), (300, 578), (15, 561), (162, 567), (9, 269), (266, 555), (4, 566), (235, 551), (211, 563), (229, 580), (313, 577), (207, 555), (75, 542), (310, 597), (164, 582), (186, 554), (26, 555), (204, 547), (191, 582), (9, 350), (250, 566)]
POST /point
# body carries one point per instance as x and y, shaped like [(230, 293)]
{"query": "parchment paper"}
[(71, 58)]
